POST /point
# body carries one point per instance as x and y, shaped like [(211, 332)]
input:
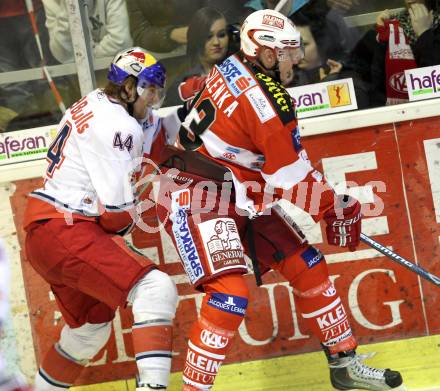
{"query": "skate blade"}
[(400, 388)]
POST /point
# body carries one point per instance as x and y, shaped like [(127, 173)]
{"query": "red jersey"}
[(246, 121)]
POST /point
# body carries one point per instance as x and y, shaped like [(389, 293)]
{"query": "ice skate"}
[(350, 373)]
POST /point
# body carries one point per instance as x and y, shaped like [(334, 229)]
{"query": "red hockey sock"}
[(207, 349), (152, 347), (59, 369), (222, 311), (325, 314), (317, 299)]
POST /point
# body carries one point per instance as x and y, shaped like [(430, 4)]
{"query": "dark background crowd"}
[(360, 39)]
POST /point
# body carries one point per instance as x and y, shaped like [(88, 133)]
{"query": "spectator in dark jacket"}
[(18, 51), (324, 58), (161, 25), (427, 49)]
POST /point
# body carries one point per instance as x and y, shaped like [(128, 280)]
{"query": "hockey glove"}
[(190, 87), (188, 90), (344, 222)]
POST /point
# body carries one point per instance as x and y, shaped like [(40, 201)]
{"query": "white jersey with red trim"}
[(91, 163), (246, 121)]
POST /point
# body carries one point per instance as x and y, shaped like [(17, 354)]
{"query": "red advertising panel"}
[(394, 170), (419, 144)]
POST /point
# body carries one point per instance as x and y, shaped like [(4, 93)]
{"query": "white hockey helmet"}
[(269, 28)]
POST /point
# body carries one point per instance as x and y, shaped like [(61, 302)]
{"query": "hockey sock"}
[(207, 349), (152, 341), (211, 336), (58, 370), (325, 314)]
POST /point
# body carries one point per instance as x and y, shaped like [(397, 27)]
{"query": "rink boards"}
[(395, 172)]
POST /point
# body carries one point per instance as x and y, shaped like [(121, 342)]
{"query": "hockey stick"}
[(399, 259), (52, 86)]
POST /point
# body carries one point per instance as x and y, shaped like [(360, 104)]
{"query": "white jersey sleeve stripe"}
[(288, 176), (222, 150)]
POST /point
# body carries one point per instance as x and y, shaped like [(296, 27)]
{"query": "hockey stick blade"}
[(399, 259)]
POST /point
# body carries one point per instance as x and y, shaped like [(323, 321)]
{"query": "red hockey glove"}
[(344, 222), (190, 87)]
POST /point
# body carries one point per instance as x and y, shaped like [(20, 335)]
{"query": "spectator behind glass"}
[(108, 26), (287, 9), (407, 40), (208, 42), (18, 50), (334, 11), (232, 9), (161, 25), (324, 59)]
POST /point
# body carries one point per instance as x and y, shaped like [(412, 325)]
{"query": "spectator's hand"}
[(334, 67), (343, 5), (179, 35), (384, 15), (421, 18)]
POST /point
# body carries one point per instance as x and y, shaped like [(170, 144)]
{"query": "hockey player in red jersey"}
[(13, 381), (75, 222), (243, 124)]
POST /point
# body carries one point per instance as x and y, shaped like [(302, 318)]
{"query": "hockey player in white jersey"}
[(15, 381), (75, 222)]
